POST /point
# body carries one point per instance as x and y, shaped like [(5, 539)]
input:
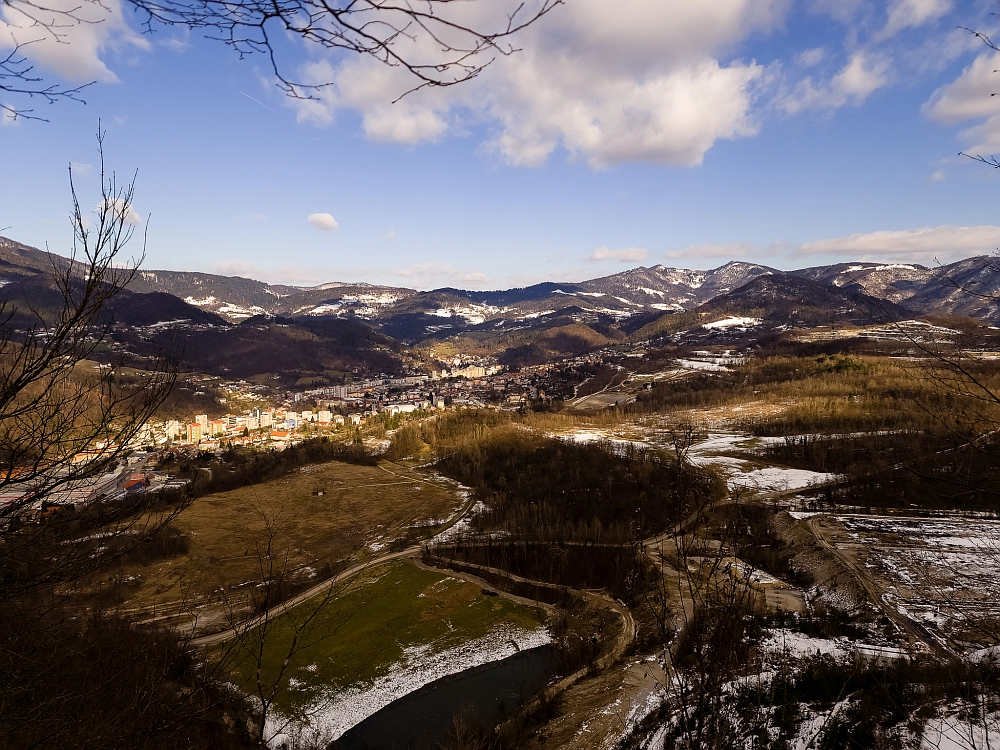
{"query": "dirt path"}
[(216, 638), (619, 646), (484, 584)]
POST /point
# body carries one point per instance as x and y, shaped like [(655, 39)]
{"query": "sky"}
[(640, 132)]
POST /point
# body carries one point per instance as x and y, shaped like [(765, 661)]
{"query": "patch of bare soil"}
[(831, 576), (597, 712)]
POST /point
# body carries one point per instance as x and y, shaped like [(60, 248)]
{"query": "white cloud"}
[(646, 82), (811, 57), (8, 116), (624, 254), (910, 13), (970, 97), (390, 235), (946, 243), (863, 74), (80, 169), (937, 176), (177, 44), (120, 208), (670, 118), (839, 10), (323, 221), (70, 49), (424, 274)]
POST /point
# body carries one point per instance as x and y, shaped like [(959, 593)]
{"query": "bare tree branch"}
[(427, 38)]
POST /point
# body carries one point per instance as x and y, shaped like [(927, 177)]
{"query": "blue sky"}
[(786, 133)]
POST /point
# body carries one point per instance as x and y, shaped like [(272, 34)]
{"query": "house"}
[(194, 432), (355, 418), (136, 483), (338, 419)]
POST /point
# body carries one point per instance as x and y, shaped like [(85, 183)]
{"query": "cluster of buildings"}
[(460, 382), (253, 425)]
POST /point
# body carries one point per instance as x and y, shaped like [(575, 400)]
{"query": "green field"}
[(363, 632)]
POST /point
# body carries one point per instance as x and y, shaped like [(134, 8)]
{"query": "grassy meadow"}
[(365, 631)]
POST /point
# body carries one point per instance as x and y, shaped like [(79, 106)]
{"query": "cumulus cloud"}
[(863, 74), (323, 221), (121, 209), (434, 273), (70, 49), (970, 97), (647, 82), (946, 243), (623, 254)]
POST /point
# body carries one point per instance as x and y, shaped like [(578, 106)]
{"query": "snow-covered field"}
[(741, 323), (740, 473), (332, 715), (943, 572)]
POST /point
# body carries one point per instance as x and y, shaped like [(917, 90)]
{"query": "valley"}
[(713, 506)]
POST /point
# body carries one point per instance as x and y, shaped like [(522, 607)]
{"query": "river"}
[(479, 695)]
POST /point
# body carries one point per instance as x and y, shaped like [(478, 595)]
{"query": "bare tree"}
[(64, 416), (73, 671), (438, 42)]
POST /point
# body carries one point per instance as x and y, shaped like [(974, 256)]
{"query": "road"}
[(619, 646)]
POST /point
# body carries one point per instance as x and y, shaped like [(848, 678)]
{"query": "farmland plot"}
[(943, 573)]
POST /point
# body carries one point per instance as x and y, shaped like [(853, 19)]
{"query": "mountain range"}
[(548, 318), (968, 287)]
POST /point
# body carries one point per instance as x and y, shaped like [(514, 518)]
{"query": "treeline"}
[(882, 702), (240, 467), (749, 531), (855, 454), (615, 567), (826, 393), (963, 479), (552, 490)]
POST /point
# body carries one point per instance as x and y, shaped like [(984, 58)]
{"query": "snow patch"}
[(733, 323), (334, 713)]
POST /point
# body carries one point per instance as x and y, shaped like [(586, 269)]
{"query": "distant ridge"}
[(638, 293)]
